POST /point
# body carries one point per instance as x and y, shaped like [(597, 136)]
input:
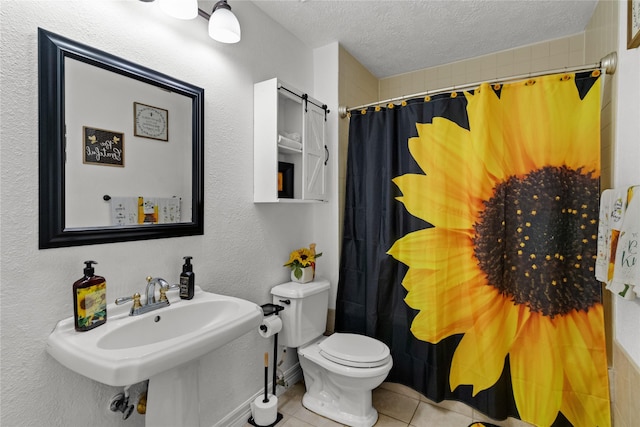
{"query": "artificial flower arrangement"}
[(302, 258)]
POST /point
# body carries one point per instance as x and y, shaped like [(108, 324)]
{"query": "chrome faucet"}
[(151, 288), (150, 303)]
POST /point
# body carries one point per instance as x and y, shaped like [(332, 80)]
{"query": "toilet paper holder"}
[(269, 309)]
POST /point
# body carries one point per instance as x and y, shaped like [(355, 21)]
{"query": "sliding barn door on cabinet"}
[(314, 152)]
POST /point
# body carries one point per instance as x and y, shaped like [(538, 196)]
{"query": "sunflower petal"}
[(480, 356), (436, 200), (537, 392), (439, 145), (587, 400), (442, 149), (449, 310), (415, 279), (432, 248), (502, 155)]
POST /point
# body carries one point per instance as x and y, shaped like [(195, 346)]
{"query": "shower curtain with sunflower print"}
[(469, 247)]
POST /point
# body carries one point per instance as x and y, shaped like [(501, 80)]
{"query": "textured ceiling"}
[(398, 36)]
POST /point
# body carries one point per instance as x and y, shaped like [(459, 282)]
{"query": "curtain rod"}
[(608, 63)]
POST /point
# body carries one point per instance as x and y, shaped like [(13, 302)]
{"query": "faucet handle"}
[(136, 301), (135, 298), (122, 300), (163, 294), (165, 289)]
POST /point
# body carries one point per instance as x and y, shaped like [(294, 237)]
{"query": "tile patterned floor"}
[(397, 405)]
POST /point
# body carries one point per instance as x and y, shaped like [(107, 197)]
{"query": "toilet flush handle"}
[(286, 301)]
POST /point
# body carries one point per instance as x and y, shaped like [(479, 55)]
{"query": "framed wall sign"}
[(102, 147), (633, 24), (150, 122)]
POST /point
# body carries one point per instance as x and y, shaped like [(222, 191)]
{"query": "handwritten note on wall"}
[(103, 147)]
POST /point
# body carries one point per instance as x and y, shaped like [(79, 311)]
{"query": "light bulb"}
[(181, 9), (224, 26)]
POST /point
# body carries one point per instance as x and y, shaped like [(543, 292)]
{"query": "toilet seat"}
[(358, 351)]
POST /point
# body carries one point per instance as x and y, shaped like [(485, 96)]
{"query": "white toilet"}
[(339, 370)]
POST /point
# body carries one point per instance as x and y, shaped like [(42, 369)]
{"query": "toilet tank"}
[(304, 317)]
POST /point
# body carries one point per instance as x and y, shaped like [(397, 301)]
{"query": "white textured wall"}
[(325, 60), (244, 245), (626, 170)]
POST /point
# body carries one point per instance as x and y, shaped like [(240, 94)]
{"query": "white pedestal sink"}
[(162, 346)]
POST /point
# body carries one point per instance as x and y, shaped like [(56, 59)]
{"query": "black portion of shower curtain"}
[(370, 298)]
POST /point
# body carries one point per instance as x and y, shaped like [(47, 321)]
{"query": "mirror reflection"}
[(107, 156)]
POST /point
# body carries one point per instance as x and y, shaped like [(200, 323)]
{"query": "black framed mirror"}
[(91, 101)]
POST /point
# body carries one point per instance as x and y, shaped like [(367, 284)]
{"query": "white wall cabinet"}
[(289, 151)]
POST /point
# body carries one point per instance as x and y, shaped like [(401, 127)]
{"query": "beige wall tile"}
[(559, 47), (505, 71), (626, 406), (540, 50), (576, 43), (520, 68), (430, 77), (576, 58), (558, 61), (634, 388), (540, 65), (522, 54)]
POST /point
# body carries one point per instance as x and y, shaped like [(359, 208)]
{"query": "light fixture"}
[(223, 24), (181, 9)]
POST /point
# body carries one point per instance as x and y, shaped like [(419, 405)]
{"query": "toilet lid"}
[(354, 350)]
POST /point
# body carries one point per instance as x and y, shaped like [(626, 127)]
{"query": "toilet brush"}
[(266, 377)]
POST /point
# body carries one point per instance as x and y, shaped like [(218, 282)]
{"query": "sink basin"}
[(170, 324), (129, 349)]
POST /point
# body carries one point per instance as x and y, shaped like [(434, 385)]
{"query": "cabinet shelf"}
[(285, 149), (288, 144)]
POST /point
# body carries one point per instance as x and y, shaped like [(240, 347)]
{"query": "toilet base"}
[(331, 410)]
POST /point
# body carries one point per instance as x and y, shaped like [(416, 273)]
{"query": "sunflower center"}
[(536, 240)]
